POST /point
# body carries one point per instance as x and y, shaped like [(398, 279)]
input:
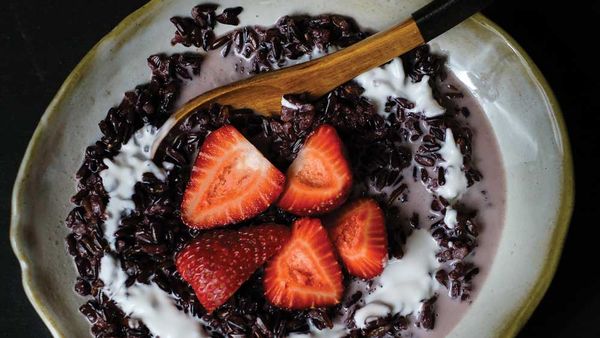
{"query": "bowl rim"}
[(522, 311)]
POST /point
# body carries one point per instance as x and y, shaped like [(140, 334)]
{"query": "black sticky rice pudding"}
[(388, 155)]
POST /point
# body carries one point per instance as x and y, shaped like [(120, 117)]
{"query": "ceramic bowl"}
[(517, 100)]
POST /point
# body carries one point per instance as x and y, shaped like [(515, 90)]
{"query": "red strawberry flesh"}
[(359, 235), (219, 261), (305, 274), (319, 179), (231, 181)]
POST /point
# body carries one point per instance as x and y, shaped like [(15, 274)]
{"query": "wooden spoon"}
[(262, 93)]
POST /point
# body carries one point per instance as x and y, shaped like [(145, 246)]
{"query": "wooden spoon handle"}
[(332, 70), (439, 16), (427, 23), (342, 66)]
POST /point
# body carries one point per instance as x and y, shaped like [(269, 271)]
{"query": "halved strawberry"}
[(358, 232), (305, 273), (218, 262), (231, 181), (319, 179)]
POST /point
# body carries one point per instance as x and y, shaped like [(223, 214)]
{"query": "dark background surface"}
[(42, 41)]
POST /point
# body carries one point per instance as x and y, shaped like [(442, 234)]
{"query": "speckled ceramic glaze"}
[(521, 108)]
